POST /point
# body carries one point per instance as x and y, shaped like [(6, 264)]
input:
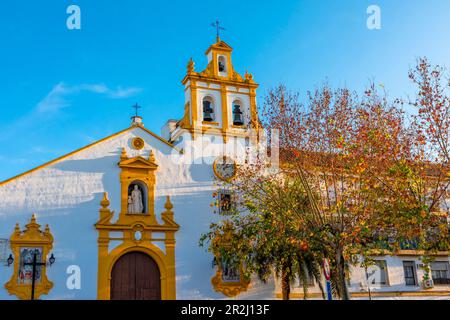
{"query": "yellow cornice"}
[(138, 162), (198, 77), (219, 46), (85, 148), (234, 132)]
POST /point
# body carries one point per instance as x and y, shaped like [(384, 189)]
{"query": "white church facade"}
[(122, 217)]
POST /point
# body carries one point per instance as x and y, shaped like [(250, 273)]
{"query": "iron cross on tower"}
[(218, 28)]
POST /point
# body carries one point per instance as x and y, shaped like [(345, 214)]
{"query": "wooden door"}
[(135, 276)]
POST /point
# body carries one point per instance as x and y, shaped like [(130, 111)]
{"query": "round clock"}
[(138, 143), (225, 168)]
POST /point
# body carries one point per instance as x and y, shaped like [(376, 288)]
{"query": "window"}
[(222, 64), (238, 118), (208, 110), (440, 272), (230, 270), (225, 201), (409, 269), (378, 273)]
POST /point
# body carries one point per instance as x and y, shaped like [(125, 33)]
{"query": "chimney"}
[(168, 128)]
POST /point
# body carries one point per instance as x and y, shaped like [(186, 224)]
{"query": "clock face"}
[(224, 168)]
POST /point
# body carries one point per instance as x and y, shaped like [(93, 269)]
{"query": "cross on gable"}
[(136, 107)]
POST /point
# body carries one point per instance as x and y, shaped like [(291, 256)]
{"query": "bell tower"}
[(218, 100)]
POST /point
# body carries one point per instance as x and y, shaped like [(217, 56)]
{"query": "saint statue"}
[(130, 204), (136, 204)]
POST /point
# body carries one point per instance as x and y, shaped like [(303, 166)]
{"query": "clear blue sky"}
[(61, 89)]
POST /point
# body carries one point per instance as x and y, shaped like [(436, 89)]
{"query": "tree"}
[(401, 174), (266, 235), (358, 175), (433, 105)]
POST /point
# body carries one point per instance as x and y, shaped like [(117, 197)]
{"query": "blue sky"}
[(61, 89)]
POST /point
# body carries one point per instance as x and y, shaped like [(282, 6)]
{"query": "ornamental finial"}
[(191, 66), (32, 224), (105, 201), (168, 205), (123, 155), (151, 156), (248, 76)]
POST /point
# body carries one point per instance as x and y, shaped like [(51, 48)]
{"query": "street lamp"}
[(51, 259)]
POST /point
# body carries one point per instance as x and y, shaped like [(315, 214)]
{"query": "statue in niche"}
[(130, 204), (135, 204)]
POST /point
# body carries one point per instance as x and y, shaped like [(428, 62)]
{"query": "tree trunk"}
[(322, 289), (340, 262), (285, 284)]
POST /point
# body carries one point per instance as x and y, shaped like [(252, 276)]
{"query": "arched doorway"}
[(135, 276)]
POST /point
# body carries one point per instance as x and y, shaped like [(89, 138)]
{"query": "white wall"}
[(66, 195)]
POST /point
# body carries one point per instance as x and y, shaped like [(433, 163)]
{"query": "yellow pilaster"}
[(194, 108), (225, 120), (103, 292), (253, 110)]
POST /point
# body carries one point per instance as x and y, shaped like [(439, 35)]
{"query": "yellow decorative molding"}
[(191, 66), (217, 171), (211, 123), (225, 120), (123, 154), (141, 171), (138, 143), (225, 81), (228, 288), (219, 132), (185, 122), (194, 106), (144, 224), (254, 121), (30, 238)]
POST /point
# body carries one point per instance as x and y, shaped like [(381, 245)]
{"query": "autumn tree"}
[(432, 102), (358, 175), (267, 237)]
